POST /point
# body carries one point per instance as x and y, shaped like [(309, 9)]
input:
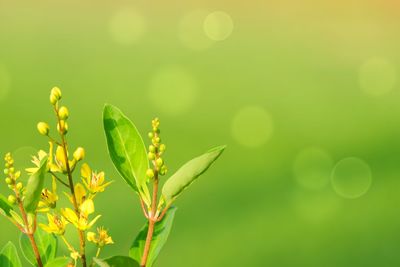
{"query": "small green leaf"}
[(116, 261), (58, 262), (188, 173), (9, 256), (127, 150), (160, 236), (34, 188), (5, 206), (47, 245)]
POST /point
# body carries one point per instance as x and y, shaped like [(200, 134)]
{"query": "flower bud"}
[(151, 135), (162, 148), (6, 171), (79, 154), (156, 140), (11, 170), (63, 113), (152, 148), (150, 173), (55, 95), (12, 199), (159, 162), (62, 127), (8, 180), (151, 156), (163, 170), (19, 186), (43, 128)]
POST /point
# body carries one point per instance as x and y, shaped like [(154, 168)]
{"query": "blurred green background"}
[(304, 93)]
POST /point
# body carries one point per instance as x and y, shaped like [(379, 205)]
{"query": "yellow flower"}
[(101, 239), (48, 201), (36, 161), (81, 222), (56, 224), (80, 194), (93, 181)]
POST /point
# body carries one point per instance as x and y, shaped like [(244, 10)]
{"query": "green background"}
[(292, 77)]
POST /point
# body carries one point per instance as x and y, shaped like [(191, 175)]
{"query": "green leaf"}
[(160, 236), (126, 149), (188, 173), (5, 206), (9, 256), (116, 261), (34, 188), (57, 262), (47, 245)]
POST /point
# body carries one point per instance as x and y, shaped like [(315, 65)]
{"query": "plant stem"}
[(28, 231), (72, 189), (152, 222)]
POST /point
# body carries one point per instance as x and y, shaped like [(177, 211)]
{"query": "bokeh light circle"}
[(312, 168), (127, 26), (351, 177), (173, 90), (252, 126), (5, 82), (377, 76), (191, 33), (218, 26)]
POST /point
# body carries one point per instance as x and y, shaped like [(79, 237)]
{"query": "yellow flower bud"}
[(62, 127), (55, 95), (79, 154), (152, 148), (150, 173), (19, 186), (43, 128), (8, 180), (12, 199), (159, 162), (151, 156), (63, 113), (162, 148)]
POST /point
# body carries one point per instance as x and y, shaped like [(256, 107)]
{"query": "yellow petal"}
[(60, 157), (70, 215), (93, 221), (86, 172), (91, 236), (80, 193), (100, 177), (87, 207)]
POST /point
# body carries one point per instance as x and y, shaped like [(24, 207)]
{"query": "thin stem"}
[(69, 246), (164, 212), (59, 179), (152, 221), (71, 186), (98, 252), (143, 208), (27, 231)]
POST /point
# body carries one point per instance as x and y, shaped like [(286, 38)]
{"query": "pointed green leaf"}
[(160, 236), (58, 262), (126, 149), (5, 206), (116, 261), (188, 173), (34, 188), (47, 245), (9, 256)]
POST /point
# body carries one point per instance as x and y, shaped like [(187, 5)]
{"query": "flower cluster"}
[(156, 150)]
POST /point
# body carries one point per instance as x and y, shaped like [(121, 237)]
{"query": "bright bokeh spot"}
[(5, 82), (252, 126), (312, 168), (173, 90), (377, 76), (218, 26), (351, 178), (191, 33), (127, 26)]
